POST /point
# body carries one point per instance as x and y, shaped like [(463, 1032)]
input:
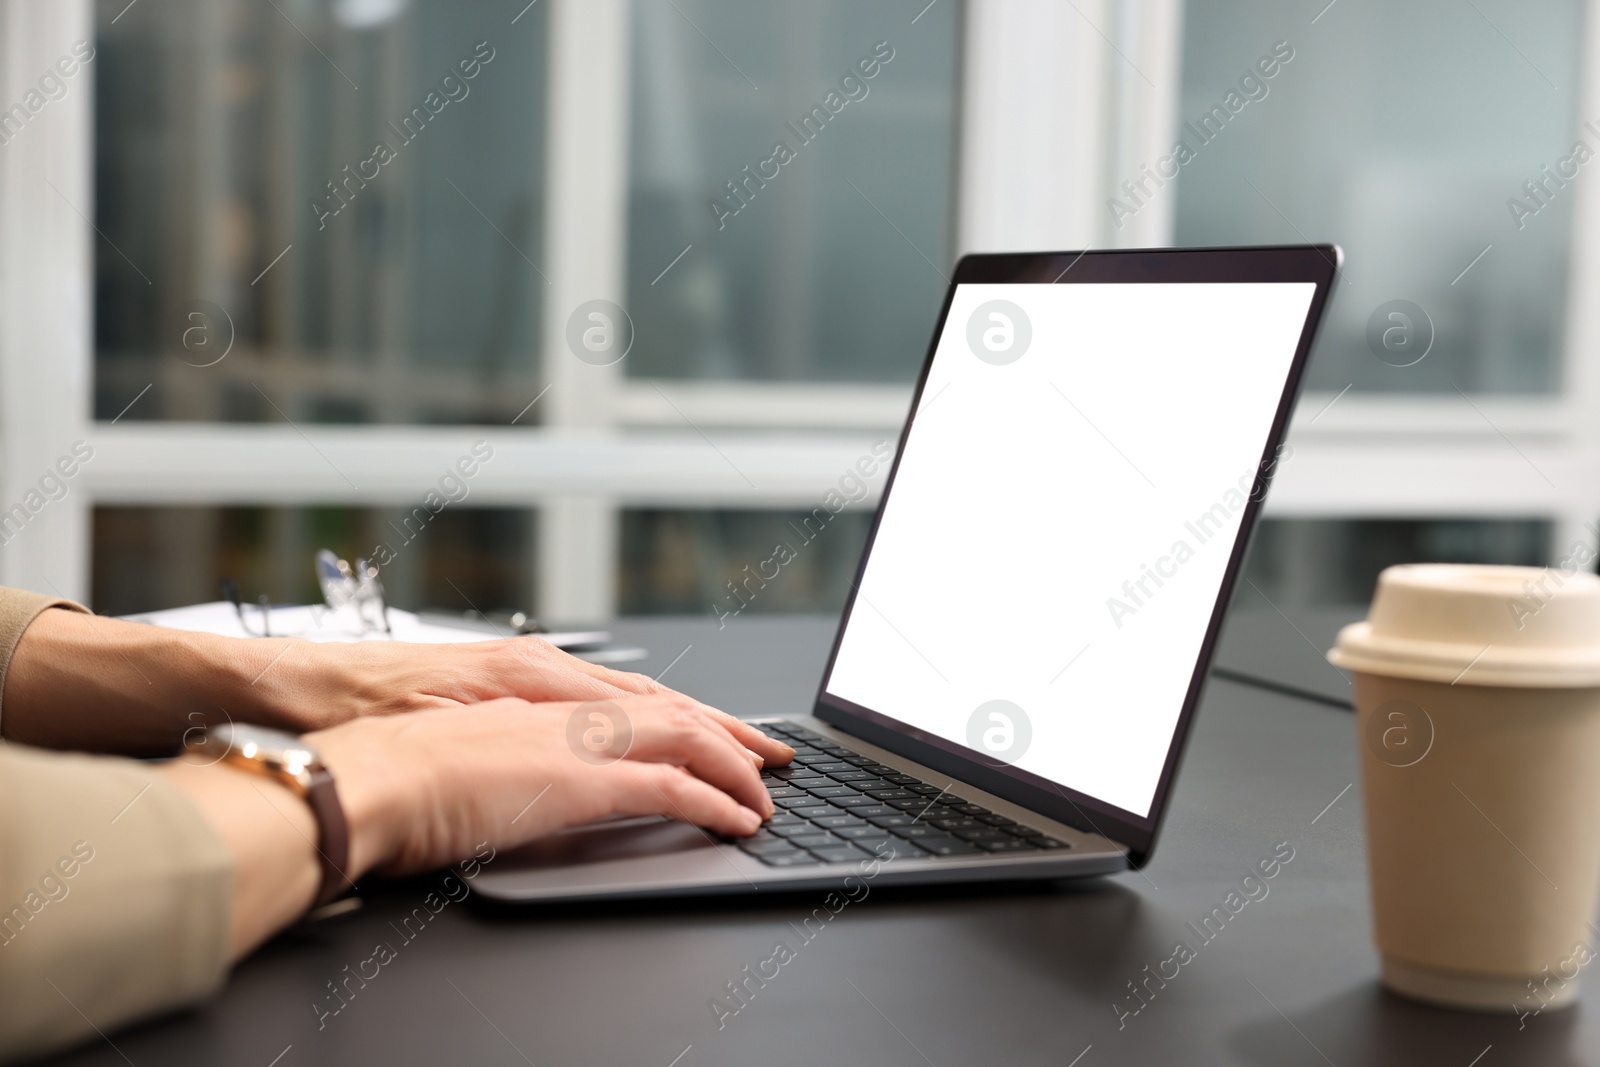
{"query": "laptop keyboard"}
[(835, 805)]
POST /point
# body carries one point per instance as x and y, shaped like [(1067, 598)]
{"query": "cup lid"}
[(1536, 627)]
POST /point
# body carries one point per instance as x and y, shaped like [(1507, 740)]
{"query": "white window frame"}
[(1057, 101)]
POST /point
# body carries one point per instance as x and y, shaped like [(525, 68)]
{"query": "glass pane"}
[(323, 210), (1421, 137), (729, 563), (1337, 561), (812, 214), (462, 559)]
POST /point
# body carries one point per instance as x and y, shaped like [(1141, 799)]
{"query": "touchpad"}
[(615, 839)]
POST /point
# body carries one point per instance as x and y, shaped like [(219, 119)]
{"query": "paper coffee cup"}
[(1477, 693)]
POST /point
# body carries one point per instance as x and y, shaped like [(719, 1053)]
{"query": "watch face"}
[(275, 748)]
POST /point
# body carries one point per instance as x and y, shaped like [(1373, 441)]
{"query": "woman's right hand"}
[(425, 789)]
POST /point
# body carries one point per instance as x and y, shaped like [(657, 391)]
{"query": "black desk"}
[(1018, 976)]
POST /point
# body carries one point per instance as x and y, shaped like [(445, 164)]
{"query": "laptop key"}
[(756, 848), (854, 800), (833, 822), (832, 791), (924, 789), (818, 808), (855, 833), (869, 811), (794, 859), (854, 776), (779, 792), (840, 854), (982, 834), (947, 846), (890, 793), (899, 818), (916, 830), (789, 774), (996, 820), (828, 765), (860, 761), (1009, 844), (814, 840), (804, 800)]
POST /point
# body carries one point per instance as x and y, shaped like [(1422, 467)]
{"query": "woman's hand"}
[(104, 685), (426, 789)]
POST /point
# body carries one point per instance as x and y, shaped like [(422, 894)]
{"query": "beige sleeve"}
[(115, 893), (18, 608)]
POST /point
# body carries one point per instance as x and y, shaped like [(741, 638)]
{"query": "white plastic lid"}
[(1507, 626)]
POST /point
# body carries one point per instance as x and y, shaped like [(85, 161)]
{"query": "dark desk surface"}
[(1288, 648), (1026, 975)]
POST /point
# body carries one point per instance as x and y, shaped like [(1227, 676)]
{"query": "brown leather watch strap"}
[(334, 833)]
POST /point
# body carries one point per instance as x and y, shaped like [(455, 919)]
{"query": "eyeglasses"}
[(342, 586), (261, 626), (358, 585)]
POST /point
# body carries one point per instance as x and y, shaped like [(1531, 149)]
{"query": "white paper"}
[(320, 624)]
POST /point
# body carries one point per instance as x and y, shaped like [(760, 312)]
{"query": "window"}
[(807, 186), (775, 303), (1408, 134), (322, 212)]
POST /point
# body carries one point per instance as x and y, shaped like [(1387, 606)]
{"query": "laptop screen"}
[(1052, 548)]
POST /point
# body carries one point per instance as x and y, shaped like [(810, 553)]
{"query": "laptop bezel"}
[(1318, 264)]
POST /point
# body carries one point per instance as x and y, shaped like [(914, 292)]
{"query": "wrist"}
[(375, 797), (284, 682)]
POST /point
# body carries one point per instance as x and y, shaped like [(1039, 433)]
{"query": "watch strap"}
[(334, 832)]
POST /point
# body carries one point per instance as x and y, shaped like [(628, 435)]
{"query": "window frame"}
[(608, 442)]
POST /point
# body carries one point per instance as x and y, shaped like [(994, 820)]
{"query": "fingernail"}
[(752, 821), (759, 762)]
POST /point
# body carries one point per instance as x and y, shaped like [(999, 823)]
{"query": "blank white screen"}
[(1030, 492)]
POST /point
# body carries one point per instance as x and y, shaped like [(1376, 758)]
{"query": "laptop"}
[(1032, 621)]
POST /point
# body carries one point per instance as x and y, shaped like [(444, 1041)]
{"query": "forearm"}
[(89, 682), (272, 835)]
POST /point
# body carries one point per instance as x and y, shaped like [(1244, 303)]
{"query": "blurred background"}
[(275, 336)]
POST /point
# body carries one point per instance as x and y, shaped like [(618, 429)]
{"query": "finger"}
[(658, 789), (685, 738), (773, 752)]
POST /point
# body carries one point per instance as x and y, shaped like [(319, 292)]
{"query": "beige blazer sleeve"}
[(115, 893)]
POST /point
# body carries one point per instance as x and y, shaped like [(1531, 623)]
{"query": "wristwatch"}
[(291, 762)]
